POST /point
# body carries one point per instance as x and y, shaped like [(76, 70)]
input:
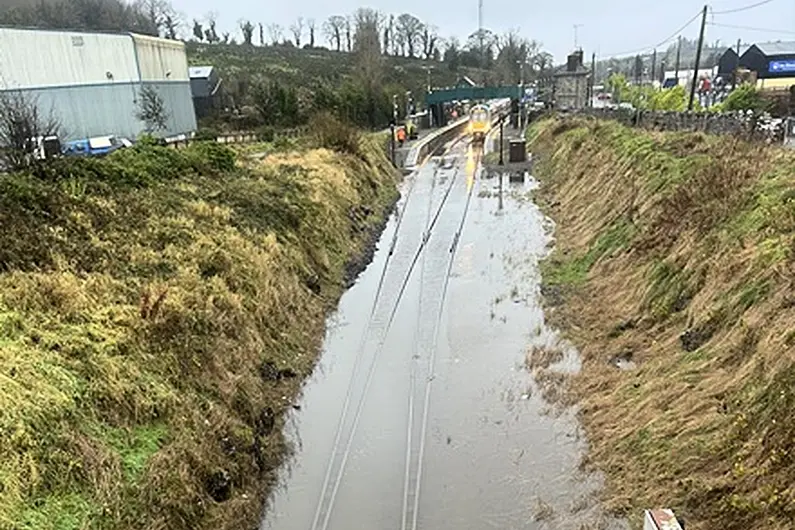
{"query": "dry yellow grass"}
[(678, 249), (153, 330)]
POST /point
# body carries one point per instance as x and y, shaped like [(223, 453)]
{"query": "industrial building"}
[(205, 85), (770, 60), (92, 82)]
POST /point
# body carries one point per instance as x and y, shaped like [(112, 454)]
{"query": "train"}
[(479, 122)]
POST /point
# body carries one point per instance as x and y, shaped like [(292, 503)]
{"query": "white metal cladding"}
[(178, 101), (98, 110), (161, 59), (41, 58), (85, 111)]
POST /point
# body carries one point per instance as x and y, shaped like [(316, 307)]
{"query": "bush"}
[(267, 133), (211, 157), (330, 132), (206, 134), (745, 97)]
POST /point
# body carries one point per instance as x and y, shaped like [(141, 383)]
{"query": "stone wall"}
[(755, 127)]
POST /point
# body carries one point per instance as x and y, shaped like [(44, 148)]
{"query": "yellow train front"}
[(479, 123)]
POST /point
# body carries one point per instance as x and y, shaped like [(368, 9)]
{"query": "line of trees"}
[(149, 17), (506, 55)]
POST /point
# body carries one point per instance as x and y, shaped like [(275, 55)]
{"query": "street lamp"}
[(428, 71)]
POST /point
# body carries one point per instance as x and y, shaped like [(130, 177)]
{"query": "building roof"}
[(743, 49), (777, 48), (200, 72)]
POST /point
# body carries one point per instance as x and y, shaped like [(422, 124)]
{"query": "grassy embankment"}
[(675, 251), (159, 310)]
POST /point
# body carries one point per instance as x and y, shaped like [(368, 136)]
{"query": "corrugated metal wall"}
[(161, 59), (179, 104), (91, 81), (92, 110), (43, 58)]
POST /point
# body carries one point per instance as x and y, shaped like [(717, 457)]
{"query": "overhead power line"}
[(744, 8), (668, 39), (748, 28)]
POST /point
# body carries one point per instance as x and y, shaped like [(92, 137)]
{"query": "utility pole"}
[(678, 57), (480, 37), (698, 59), (593, 78), (653, 73), (737, 68)]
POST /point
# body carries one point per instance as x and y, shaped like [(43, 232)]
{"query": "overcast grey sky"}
[(608, 26)]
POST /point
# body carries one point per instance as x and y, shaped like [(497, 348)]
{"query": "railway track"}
[(344, 437)]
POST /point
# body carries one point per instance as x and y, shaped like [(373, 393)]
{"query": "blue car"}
[(96, 146)]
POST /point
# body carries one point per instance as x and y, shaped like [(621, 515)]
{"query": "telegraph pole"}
[(737, 68), (593, 77), (653, 73), (678, 56), (698, 59), (576, 41), (480, 37)]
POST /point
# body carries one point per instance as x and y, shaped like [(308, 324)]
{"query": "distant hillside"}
[(241, 65)]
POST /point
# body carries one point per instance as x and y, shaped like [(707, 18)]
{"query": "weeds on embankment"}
[(676, 251), (159, 310)]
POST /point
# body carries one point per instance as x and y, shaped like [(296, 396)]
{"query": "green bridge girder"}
[(446, 95)]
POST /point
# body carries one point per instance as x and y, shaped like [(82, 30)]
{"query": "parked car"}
[(96, 146)]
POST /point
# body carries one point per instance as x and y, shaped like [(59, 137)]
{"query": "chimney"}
[(574, 61)]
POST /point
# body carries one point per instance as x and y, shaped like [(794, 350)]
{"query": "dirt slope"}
[(675, 254)]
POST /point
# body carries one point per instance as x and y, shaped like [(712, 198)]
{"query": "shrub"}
[(267, 133), (206, 134), (211, 157), (330, 132)]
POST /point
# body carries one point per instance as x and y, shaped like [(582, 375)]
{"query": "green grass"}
[(711, 251), (574, 271), (140, 297)]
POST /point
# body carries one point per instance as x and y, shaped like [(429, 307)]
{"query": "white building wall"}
[(41, 59), (161, 59)]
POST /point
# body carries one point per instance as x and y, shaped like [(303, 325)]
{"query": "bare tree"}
[(198, 30), (410, 28), (21, 126), (161, 14), (297, 29), (275, 32), (367, 45), (349, 33), (334, 28), (428, 38), (210, 34), (389, 25), (310, 24), (247, 28)]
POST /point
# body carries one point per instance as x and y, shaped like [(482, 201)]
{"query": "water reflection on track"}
[(420, 414)]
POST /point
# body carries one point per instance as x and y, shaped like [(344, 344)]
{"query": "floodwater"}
[(421, 413)]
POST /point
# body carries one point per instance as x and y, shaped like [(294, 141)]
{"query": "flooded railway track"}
[(420, 413)]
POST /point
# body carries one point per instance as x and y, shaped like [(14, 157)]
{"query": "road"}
[(421, 414)]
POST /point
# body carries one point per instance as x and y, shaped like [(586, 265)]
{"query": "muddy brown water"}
[(421, 413)]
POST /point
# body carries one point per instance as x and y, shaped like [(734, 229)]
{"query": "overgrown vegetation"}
[(678, 252), (745, 97), (646, 97), (159, 309)]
